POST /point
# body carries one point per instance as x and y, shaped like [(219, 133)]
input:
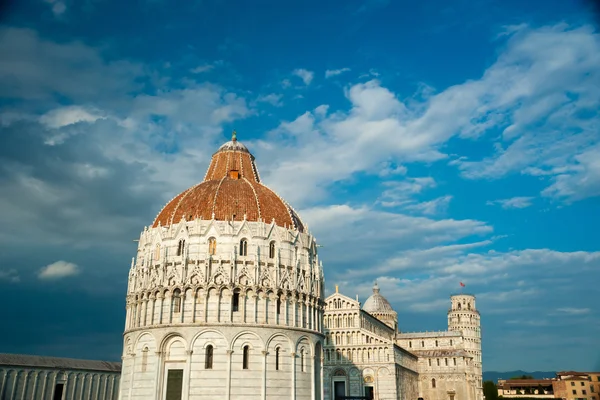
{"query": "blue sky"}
[(424, 145)]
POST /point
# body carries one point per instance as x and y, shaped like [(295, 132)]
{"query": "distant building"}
[(571, 385), (49, 378), (366, 354), (530, 388), (567, 385)]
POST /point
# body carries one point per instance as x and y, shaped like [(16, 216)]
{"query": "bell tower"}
[(464, 317)]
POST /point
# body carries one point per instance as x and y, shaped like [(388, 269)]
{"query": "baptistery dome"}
[(225, 295), (231, 190)]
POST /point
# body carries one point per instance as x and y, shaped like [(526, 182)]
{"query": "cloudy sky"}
[(423, 143)]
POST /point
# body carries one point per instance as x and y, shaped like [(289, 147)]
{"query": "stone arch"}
[(245, 337)]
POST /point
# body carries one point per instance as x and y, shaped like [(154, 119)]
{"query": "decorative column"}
[(255, 308), (187, 375), (228, 387), (204, 317), (293, 355), (182, 311), (264, 381), (157, 375), (162, 303), (153, 298), (195, 297), (131, 375)]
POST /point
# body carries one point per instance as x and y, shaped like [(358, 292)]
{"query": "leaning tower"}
[(464, 317)]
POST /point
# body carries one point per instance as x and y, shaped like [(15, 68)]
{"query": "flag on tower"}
[(462, 284)]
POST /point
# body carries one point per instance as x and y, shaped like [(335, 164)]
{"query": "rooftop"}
[(23, 360)]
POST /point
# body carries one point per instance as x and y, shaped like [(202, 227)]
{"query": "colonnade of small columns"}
[(218, 305)]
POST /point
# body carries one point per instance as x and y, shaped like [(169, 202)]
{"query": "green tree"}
[(490, 391), (522, 377)]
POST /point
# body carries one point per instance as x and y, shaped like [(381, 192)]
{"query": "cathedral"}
[(225, 300)]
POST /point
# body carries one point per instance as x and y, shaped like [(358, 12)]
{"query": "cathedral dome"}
[(231, 190), (376, 303)]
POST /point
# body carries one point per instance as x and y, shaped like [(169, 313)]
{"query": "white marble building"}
[(366, 354), (225, 296), (24, 377)]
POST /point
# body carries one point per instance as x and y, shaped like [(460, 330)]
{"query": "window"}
[(245, 357), (212, 246), (450, 342), (410, 344), (235, 302), (243, 247), (446, 361), (433, 383), (176, 301), (302, 360), (574, 391), (459, 306), (469, 306), (582, 384), (272, 249), (144, 359), (436, 343), (180, 247), (438, 362), (429, 362), (422, 343), (584, 392), (454, 361), (277, 359), (572, 383), (278, 306), (208, 357), (58, 391)]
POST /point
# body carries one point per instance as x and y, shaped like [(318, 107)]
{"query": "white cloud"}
[(68, 115), (399, 193), (573, 311), (202, 68), (513, 202), (286, 83), (58, 6), (9, 275), (334, 72), (431, 207), (272, 98), (58, 270), (304, 74)]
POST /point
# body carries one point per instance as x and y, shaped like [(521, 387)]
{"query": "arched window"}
[(410, 345), (208, 357), (176, 301), (459, 307), (243, 247), (157, 252), (212, 246), (235, 302), (278, 306), (144, 359), (438, 361), (302, 360), (429, 362), (180, 247), (450, 342), (469, 306), (277, 359), (422, 343), (446, 361), (272, 249), (454, 359), (245, 357), (436, 343), (433, 383)]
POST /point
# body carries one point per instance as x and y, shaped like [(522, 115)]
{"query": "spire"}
[(234, 136)]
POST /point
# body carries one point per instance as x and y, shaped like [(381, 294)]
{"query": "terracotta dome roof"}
[(231, 190), (376, 303)]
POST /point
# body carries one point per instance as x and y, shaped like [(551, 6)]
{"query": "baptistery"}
[(225, 294)]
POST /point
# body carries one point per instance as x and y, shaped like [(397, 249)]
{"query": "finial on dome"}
[(375, 288), (234, 136)]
